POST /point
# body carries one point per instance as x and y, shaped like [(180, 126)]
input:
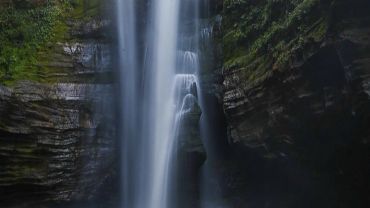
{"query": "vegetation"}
[(24, 30), (29, 31), (269, 34)]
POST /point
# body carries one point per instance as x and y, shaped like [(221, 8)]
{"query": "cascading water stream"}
[(155, 96), (129, 88)]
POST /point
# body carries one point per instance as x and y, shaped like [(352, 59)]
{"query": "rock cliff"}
[(297, 101), (57, 133)]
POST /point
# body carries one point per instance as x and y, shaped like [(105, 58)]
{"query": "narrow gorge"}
[(184, 103)]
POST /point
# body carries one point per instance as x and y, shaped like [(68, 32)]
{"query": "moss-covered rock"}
[(57, 137), (34, 34), (261, 36), (297, 101)]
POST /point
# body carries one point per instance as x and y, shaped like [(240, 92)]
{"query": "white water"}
[(155, 96), (129, 82), (162, 100)]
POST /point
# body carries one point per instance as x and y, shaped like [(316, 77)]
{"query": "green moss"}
[(264, 35), (23, 33), (85, 9), (29, 37), (25, 170)]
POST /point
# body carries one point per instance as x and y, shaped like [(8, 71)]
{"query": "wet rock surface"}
[(299, 137), (189, 159), (58, 138), (54, 148)]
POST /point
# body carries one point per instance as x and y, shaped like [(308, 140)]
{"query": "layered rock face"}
[(56, 142), (297, 102), (190, 157), (58, 137)]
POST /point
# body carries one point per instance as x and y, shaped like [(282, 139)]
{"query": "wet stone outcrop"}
[(58, 137), (190, 154), (56, 144), (301, 124), (189, 138)]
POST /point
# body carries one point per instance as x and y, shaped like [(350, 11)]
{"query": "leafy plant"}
[(23, 32)]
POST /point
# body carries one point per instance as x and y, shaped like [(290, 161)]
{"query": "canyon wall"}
[(296, 99), (57, 131), (287, 86)]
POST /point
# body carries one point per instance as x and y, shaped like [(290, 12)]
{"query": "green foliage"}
[(264, 35), (85, 9), (24, 32)]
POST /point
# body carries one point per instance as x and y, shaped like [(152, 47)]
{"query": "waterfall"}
[(156, 92), (129, 97)]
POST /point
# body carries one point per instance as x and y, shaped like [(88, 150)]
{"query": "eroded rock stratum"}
[(297, 100), (57, 132)]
